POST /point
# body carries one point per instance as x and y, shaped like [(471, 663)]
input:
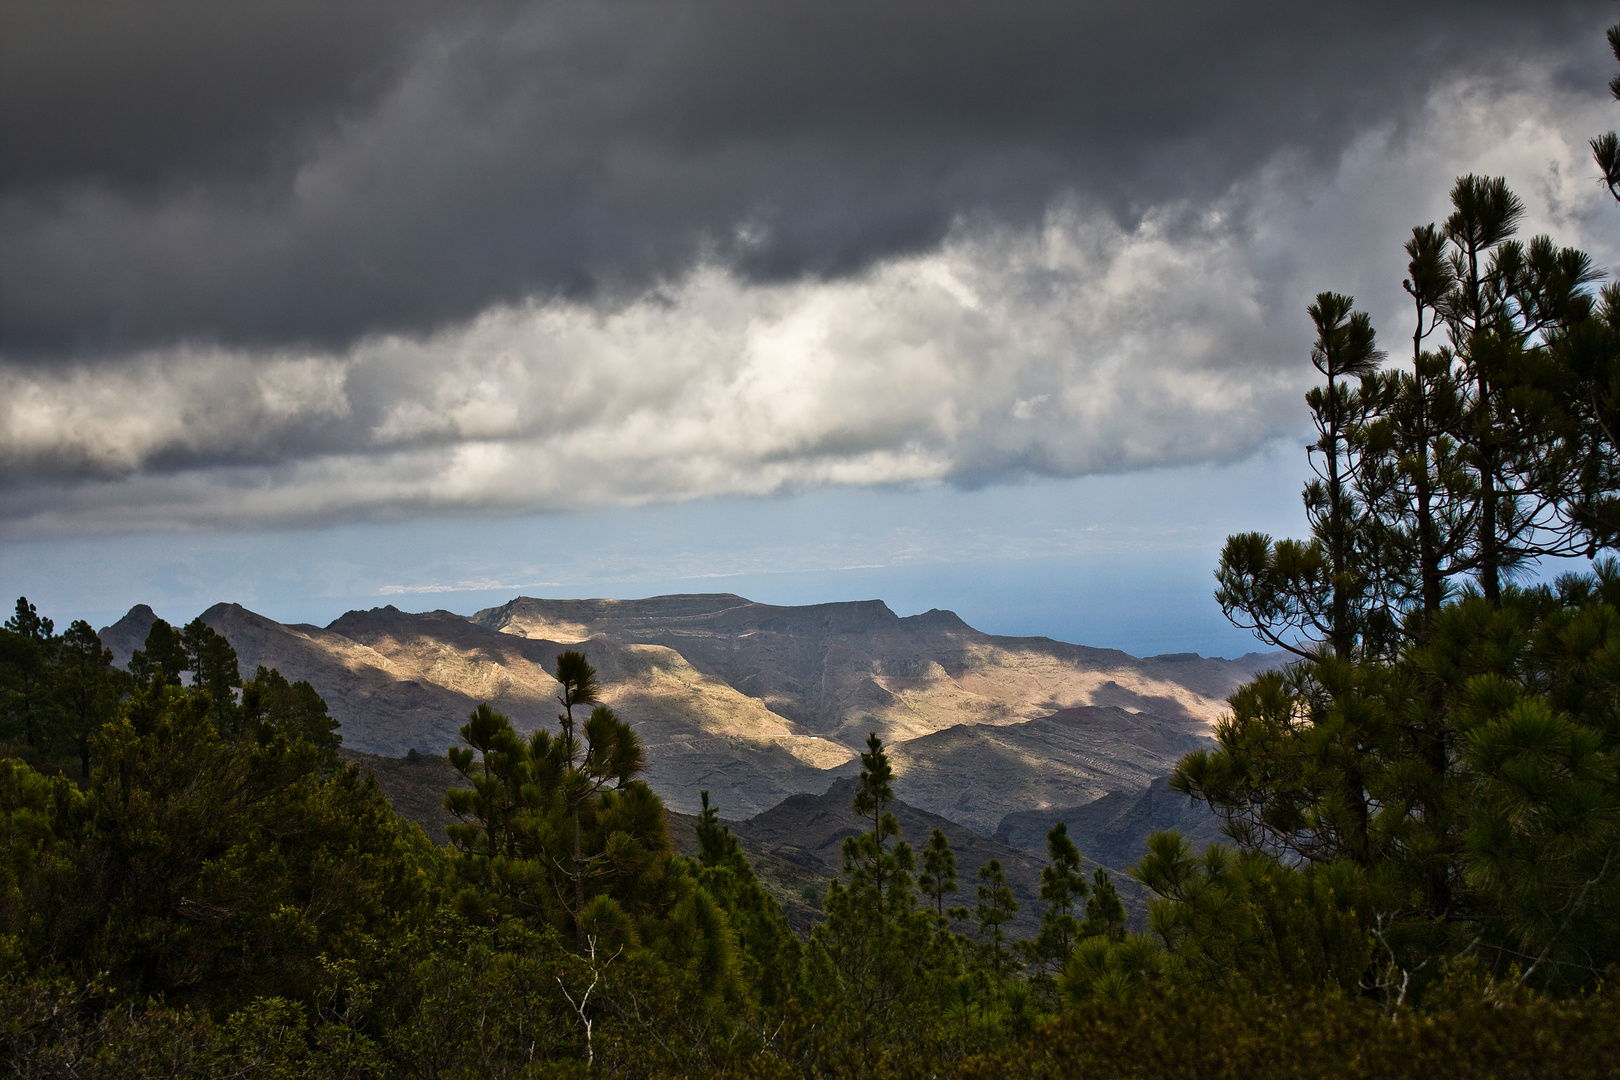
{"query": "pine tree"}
[(1427, 502), (87, 689), (1303, 595), (165, 650), (28, 646), (1063, 886), (1506, 300), (296, 708), (996, 908), (212, 663), (873, 794), (27, 622), (203, 870), (1345, 349), (1445, 764), (559, 829), (577, 679), (939, 876), (875, 964), (716, 845), (771, 954), (1590, 353), (1242, 921), (1105, 912)]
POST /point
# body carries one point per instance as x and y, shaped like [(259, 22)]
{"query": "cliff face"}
[(756, 702)]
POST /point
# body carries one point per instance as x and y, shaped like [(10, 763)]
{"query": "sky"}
[(996, 307)]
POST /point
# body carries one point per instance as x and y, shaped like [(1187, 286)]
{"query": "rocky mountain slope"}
[(397, 681), (757, 702), (840, 671)]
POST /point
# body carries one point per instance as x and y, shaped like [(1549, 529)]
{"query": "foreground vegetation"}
[(1424, 808), (222, 898)]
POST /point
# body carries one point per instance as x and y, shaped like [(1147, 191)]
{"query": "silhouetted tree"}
[(212, 663), (87, 690), (164, 649), (28, 647)]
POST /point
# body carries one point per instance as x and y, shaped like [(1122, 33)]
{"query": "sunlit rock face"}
[(755, 702)]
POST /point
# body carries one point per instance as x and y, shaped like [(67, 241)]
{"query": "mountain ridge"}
[(759, 702), (877, 671)]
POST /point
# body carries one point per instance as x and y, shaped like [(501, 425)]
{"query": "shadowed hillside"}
[(978, 773), (1115, 828), (809, 830)]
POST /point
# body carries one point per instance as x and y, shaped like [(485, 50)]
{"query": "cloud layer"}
[(1074, 348), (546, 255)]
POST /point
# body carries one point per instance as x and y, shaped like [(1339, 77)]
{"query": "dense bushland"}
[(241, 905)]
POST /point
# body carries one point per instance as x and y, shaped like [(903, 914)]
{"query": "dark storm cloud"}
[(138, 95), (279, 174)]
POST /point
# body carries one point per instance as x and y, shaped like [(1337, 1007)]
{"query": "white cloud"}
[(117, 419)]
